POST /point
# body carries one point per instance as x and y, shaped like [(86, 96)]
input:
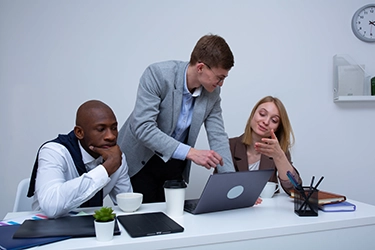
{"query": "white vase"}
[(104, 230)]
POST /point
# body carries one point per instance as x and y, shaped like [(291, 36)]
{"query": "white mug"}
[(269, 189)]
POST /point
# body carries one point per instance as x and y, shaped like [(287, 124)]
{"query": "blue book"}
[(344, 206), (7, 241)]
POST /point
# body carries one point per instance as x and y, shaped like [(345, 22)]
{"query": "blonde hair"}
[(284, 132)]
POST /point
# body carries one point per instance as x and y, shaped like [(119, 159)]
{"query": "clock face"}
[(363, 23)]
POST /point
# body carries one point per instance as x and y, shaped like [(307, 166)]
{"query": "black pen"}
[(320, 180), (311, 192), (312, 182)]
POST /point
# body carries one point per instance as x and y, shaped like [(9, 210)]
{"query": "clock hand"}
[(373, 23)]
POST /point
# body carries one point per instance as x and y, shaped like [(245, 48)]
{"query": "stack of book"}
[(332, 202)]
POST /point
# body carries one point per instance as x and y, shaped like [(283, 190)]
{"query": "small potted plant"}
[(104, 223)]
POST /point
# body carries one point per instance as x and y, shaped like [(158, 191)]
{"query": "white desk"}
[(271, 225)]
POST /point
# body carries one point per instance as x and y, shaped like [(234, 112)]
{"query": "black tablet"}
[(148, 224)]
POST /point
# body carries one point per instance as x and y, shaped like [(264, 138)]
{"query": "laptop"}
[(226, 191), (148, 224)]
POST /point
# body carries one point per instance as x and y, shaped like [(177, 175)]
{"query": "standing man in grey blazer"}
[(174, 99)]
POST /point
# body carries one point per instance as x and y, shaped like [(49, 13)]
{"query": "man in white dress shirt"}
[(81, 168)]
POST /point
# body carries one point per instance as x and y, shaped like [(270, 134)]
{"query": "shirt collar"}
[(197, 92), (86, 157)]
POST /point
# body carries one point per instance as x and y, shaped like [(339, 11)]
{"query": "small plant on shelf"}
[(104, 214)]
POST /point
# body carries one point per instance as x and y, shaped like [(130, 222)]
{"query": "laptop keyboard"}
[(190, 205)]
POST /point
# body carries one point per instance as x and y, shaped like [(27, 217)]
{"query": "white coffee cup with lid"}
[(174, 191)]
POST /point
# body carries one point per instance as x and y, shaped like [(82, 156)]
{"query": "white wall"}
[(54, 55)]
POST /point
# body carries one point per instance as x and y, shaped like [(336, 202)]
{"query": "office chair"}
[(22, 202)]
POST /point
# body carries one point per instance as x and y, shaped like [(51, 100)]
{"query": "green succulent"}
[(104, 214)]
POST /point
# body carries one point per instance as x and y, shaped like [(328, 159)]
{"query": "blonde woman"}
[(266, 142)]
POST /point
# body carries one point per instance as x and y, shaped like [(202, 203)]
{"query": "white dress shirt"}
[(59, 188)]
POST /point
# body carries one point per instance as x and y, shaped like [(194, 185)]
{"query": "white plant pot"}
[(104, 230)]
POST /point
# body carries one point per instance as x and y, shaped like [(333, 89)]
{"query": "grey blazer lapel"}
[(177, 95), (176, 109)]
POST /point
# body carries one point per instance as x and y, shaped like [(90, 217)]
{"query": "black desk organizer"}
[(306, 203)]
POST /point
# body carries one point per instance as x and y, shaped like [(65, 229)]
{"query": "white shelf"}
[(351, 83), (353, 98)]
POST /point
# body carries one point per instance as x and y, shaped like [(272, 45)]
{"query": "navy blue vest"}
[(69, 141)]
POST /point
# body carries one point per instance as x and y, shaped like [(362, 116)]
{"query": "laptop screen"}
[(230, 190)]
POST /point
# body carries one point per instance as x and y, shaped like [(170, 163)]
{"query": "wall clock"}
[(363, 23)]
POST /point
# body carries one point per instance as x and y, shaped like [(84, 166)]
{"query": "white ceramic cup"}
[(269, 189), (174, 191), (129, 202)]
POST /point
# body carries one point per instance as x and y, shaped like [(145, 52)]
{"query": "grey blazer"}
[(148, 129)]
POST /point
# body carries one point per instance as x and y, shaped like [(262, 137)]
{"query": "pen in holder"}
[(306, 201)]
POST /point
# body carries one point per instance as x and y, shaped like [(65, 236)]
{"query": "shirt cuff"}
[(181, 152), (99, 175)]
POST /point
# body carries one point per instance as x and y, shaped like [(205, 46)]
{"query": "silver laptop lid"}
[(232, 190)]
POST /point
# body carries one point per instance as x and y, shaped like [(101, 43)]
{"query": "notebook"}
[(74, 226), (344, 206), (229, 191), (148, 224), (325, 197)]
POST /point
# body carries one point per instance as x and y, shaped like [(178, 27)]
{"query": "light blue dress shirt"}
[(184, 121)]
